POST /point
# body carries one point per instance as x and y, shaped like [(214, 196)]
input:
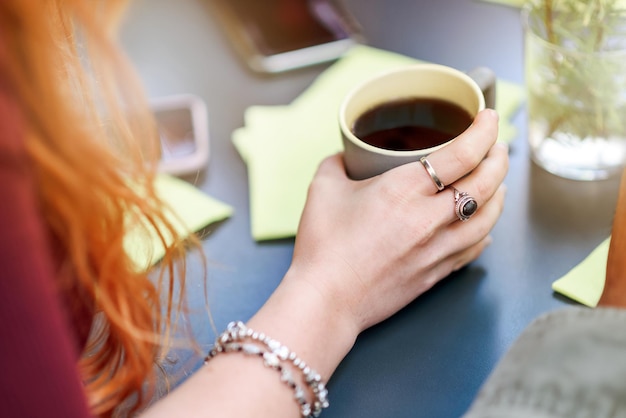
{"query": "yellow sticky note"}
[(509, 98), (191, 210), (585, 282)]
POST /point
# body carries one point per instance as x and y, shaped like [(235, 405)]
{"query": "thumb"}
[(332, 166)]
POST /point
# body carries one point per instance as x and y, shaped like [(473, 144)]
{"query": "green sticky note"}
[(190, 211), (585, 282)]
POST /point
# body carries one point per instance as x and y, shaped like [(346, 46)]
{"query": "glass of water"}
[(575, 70)]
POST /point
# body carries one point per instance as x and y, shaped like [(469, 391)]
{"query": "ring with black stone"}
[(464, 205)]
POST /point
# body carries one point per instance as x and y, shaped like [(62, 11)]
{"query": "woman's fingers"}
[(462, 258), (484, 180), (455, 160), (461, 235), (481, 184)]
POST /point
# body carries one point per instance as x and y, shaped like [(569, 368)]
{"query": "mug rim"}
[(347, 131)]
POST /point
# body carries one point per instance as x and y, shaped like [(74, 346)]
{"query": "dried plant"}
[(577, 65)]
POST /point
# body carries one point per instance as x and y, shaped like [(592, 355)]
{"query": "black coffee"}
[(411, 124)]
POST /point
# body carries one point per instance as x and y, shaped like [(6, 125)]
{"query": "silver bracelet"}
[(232, 339)]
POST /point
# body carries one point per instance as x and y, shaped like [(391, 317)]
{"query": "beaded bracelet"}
[(232, 339)]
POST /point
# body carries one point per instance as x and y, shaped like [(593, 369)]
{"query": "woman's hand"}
[(370, 247), (364, 250)]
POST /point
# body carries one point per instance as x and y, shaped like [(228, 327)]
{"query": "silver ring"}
[(464, 205), (433, 175)]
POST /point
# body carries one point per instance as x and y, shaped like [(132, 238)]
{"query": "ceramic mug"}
[(427, 86)]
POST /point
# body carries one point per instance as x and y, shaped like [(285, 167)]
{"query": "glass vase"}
[(575, 70)]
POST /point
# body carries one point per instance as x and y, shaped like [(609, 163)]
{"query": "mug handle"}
[(486, 80)]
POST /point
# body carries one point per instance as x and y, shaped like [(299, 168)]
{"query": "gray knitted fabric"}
[(570, 363)]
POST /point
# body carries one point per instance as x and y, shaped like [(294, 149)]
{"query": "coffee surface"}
[(411, 124)]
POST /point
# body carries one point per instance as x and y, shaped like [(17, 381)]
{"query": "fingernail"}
[(491, 112)]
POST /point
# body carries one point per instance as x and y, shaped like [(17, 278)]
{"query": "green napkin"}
[(585, 282), (283, 145), (191, 210)]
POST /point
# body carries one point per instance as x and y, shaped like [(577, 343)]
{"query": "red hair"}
[(93, 146)]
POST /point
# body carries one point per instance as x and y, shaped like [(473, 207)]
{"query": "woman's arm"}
[(363, 251), (614, 292)]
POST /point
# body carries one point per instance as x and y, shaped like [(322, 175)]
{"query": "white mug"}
[(471, 91)]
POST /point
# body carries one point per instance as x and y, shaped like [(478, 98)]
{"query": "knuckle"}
[(483, 188), (423, 232), (466, 156)]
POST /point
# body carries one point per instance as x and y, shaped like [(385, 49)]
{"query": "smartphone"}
[(274, 36), (182, 122)]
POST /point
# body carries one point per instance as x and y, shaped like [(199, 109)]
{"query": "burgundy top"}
[(39, 344)]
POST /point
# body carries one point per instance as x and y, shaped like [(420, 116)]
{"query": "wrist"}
[(304, 319), (241, 339)]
